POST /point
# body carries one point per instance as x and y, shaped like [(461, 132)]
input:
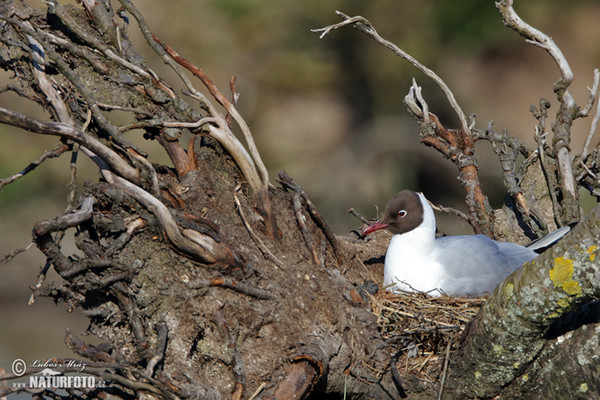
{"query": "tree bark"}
[(507, 344)]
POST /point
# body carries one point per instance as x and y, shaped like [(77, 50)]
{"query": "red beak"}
[(375, 227)]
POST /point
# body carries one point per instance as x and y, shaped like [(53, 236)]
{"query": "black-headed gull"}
[(454, 265)]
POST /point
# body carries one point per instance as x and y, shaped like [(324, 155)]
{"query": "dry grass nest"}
[(421, 329)]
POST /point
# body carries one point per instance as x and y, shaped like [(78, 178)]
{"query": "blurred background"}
[(327, 111)]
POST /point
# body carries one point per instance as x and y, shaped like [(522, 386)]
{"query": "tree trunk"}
[(200, 280), (518, 339)]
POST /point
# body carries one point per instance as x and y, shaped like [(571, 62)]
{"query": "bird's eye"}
[(402, 213)]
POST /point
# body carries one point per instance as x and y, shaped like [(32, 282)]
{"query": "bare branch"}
[(47, 154), (363, 25), (263, 248), (67, 131), (43, 49), (566, 113), (593, 95), (540, 39), (594, 124), (229, 107), (458, 146)]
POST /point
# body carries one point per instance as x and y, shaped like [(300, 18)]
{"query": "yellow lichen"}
[(563, 302), (562, 276), (509, 289), (498, 349), (583, 388), (477, 375), (592, 250), (525, 378)]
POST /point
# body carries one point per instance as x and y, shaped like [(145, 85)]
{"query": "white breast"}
[(410, 263)]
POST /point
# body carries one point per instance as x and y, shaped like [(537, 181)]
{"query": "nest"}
[(422, 329)]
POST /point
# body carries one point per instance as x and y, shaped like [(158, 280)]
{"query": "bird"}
[(465, 265)]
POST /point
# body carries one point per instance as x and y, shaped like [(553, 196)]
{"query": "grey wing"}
[(515, 254), (476, 264)]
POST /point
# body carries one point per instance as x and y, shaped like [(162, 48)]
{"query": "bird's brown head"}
[(403, 213)]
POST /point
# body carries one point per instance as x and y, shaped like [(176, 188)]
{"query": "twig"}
[(357, 215), (593, 126), (584, 111), (134, 110), (161, 346), (238, 369), (459, 147), (40, 280), (445, 371), (539, 39), (548, 175), (67, 220), (78, 51), (363, 25), (88, 351), (396, 378), (47, 154), (264, 249), (288, 182), (234, 99), (153, 179), (70, 132), (12, 254), (257, 391), (301, 220), (449, 210), (122, 240), (231, 283), (129, 308)]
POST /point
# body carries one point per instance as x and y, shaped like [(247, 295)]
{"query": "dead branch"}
[(12, 254), (263, 248), (362, 24), (568, 110), (189, 241), (459, 147), (44, 49), (47, 154), (87, 351), (239, 373), (69, 132), (230, 283), (42, 234), (229, 107), (289, 183)]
